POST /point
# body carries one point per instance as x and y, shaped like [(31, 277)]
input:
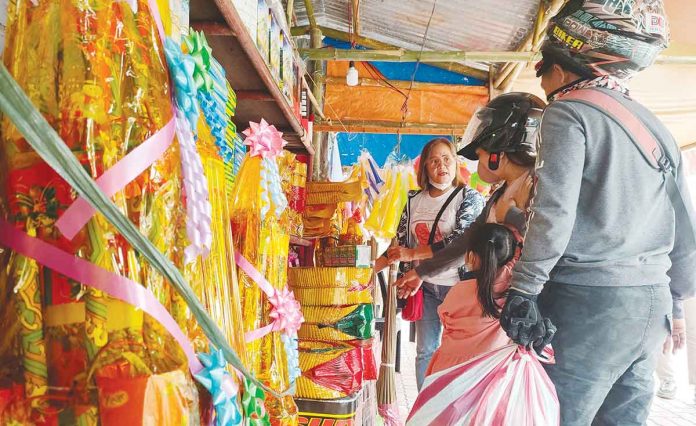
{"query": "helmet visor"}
[(478, 125)]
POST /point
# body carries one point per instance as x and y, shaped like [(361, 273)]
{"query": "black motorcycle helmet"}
[(507, 124), (594, 38)]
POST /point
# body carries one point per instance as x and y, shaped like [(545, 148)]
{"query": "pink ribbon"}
[(264, 139), (89, 274), (154, 10), (126, 169), (117, 177), (285, 309)]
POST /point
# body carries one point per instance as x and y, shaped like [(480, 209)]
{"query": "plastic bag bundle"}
[(330, 370), (264, 242), (103, 84), (506, 387), (386, 211)]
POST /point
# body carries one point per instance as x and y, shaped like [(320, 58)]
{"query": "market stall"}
[(173, 251)]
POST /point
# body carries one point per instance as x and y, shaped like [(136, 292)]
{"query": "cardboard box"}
[(287, 64), (351, 255), (274, 52), (248, 12), (263, 30)]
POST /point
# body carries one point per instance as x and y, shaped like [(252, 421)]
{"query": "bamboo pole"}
[(389, 127), (400, 55), (376, 293), (374, 44), (356, 17), (290, 10), (315, 104), (532, 42), (507, 85), (310, 13)]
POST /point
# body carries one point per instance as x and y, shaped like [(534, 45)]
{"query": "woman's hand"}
[(408, 284), (678, 338), (400, 254)]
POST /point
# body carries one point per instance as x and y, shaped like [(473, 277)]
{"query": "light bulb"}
[(352, 77)]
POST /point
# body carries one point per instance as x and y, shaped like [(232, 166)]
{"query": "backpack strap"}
[(454, 193), (643, 138), (654, 152)]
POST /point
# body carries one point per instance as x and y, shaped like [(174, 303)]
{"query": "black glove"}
[(523, 322), (540, 344)]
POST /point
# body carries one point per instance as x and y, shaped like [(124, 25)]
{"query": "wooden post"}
[(318, 91), (290, 10), (356, 17)]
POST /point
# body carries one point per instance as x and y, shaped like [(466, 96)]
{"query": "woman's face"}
[(486, 174), (441, 165)]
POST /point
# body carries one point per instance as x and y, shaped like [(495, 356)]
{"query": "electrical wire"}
[(404, 107)]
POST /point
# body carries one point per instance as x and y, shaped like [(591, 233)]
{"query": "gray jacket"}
[(601, 216)]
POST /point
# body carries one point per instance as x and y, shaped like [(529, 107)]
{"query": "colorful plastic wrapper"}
[(386, 211), (293, 175), (337, 323), (220, 293), (129, 393), (506, 386), (102, 82), (390, 414), (329, 370), (265, 244)]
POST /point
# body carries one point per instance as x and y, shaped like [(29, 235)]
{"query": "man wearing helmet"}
[(610, 239)]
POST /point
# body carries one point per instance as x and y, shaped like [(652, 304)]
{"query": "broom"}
[(376, 294), (386, 382)]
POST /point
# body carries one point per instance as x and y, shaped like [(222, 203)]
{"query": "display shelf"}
[(259, 95)]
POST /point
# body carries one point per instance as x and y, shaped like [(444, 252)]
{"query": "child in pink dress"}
[(470, 312)]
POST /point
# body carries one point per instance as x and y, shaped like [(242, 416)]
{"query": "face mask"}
[(440, 186)]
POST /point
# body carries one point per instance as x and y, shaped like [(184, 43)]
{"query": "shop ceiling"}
[(491, 40)]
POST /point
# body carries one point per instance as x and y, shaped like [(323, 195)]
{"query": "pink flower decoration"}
[(285, 314), (264, 139)]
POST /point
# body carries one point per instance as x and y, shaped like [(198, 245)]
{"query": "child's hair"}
[(495, 246)]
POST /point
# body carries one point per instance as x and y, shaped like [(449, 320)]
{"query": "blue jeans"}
[(428, 328), (607, 347)]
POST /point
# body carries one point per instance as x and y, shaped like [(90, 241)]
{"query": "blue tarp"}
[(380, 146), (404, 70)]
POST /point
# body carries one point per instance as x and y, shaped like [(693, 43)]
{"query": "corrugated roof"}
[(475, 25)]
